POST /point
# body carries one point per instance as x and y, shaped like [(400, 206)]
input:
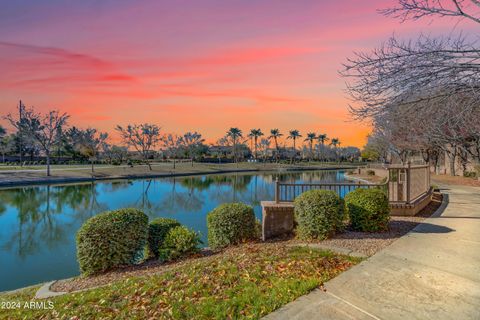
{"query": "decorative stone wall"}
[(277, 219)]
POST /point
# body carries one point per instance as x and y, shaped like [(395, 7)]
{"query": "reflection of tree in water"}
[(188, 198), (240, 182), (81, 198), (318, 176), (39, 211), (35, 220), (167, 203)]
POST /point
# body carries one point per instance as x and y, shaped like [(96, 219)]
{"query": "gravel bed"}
[(371, 243)]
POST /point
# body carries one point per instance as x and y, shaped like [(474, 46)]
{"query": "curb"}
[(44, 292), (439, 211)]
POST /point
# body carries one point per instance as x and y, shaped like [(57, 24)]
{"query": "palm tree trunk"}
[(277, 155), (294, 156)]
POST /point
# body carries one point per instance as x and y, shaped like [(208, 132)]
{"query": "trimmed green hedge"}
[(230, 223), (368, 209), (157, 231), (319, 214), (179, 241), (111, 239)]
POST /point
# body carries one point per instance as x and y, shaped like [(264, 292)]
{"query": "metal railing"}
[(404, 185), (287, 192)]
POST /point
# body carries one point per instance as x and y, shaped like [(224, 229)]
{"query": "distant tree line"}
[(49, 136)]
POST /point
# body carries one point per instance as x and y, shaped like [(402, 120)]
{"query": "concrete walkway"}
[(431, 273)]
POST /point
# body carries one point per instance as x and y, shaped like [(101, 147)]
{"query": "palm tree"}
[(294, 135), (254, 135), (311, 136), (234, 134), (335, 143), (275, 134), (322, 138)]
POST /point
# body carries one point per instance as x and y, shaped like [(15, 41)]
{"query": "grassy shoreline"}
[(10, 178)]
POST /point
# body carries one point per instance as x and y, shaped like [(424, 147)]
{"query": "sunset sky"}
[(197, 65)]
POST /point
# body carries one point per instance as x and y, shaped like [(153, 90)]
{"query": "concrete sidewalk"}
[(431, 273)]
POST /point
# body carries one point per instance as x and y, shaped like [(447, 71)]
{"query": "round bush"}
[(157, 231), (230, 223), (318, 213), (111, 239), (179, 241), (368, 210)]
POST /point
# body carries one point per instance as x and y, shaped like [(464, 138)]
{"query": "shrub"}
[(230, 223), (179, 241), (477, 170), (111, 239), (370, 172), (157, 231), (368, 209), (318, 213), (469, 174)]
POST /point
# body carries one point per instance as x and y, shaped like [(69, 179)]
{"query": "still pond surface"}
[(38, 223)]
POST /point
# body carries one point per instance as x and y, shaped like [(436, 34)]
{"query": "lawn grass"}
[(246, 282)]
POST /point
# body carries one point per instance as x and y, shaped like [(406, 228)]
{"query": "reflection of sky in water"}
[(38, 224)]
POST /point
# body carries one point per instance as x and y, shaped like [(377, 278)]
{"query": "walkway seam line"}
[(354, 306)]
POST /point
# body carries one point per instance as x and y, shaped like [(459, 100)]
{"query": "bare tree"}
[(407, 72), (44, 129), (6, 143), (418, 9), (172, 144), (264, 146), (90, 142), (427, 68), (191, 141), (142, 137)]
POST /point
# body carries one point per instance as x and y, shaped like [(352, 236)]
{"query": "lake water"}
[(38, 223)]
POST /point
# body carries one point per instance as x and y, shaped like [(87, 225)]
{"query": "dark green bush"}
[(469, 174), (179, 241), (368, 209), (477, 170), (370, 172), (157, 231), (319, 214), (230, 223), (111, 239)]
